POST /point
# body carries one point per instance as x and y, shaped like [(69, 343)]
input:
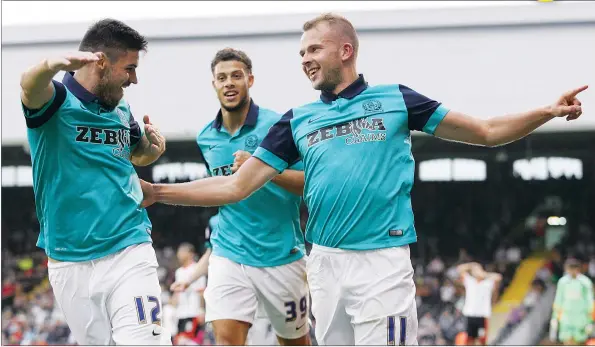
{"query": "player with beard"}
[(257, 263), (355, 142), (84, 142)]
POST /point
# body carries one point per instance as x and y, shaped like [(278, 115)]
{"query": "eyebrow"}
[(232, 72)]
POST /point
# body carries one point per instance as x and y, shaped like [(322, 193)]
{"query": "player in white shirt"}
[(189, 311), (260, 332), (481, 289)]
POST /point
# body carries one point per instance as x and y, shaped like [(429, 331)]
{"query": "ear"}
[(347, 51), (103, 61), (250, 80), (213, 83)]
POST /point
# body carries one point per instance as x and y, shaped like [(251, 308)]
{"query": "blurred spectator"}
[(448, 292), (428, 331), (436, 266)]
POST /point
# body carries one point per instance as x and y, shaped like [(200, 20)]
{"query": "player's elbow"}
[(485, 132)]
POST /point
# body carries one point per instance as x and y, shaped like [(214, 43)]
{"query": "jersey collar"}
[(77, 89), (250, 118), (353, 90)]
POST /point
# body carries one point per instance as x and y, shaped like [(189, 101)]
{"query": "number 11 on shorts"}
[(390, 331)]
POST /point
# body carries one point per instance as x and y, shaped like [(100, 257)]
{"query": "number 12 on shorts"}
[(140, 309), (390, 331)]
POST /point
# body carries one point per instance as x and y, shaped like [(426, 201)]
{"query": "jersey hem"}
[(120, 246), (238, 260), (371, 246)]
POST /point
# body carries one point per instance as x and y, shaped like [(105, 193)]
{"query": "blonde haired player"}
[(355, 143)]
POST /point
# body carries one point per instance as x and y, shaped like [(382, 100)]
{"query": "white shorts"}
[(239, 292), (111, 300), (363, 297)]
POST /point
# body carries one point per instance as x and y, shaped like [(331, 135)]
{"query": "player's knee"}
[(300, 341), (230, 338), (230, 332)]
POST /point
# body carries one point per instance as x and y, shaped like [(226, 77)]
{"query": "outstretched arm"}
[(36, 83), (498, 131), (212, 191), (290, 180)]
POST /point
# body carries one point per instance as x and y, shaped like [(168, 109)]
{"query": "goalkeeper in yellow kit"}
[(573, 306)]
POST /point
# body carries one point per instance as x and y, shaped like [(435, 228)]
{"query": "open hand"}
[(73, 61)]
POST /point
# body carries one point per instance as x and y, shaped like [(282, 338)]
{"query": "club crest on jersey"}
[(372, 106), (355, 131), (251, 143)]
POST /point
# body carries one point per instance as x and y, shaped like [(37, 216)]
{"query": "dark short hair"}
[(113, 38), (228, 54)]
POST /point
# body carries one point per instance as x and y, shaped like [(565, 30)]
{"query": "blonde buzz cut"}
[(338, 22)]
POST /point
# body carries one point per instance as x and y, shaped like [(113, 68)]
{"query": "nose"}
[(132, 78), (306, 60), (228, 83)]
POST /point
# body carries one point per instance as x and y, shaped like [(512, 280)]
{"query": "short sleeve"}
[(136, 131), (299, 166), (278, 149), (38, 117), (424, 114)]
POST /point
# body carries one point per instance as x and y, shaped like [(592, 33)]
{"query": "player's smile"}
[(231, 95), (312, 73)]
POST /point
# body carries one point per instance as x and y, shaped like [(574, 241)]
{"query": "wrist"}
[(48, 66), (548, 112)]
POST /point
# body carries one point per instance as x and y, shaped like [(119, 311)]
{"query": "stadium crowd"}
[(495, 234)]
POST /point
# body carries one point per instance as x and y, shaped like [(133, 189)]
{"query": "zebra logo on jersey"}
[(352, 131), (123, 141), (123, 117)]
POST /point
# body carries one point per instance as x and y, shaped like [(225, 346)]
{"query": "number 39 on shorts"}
[(292, 306)]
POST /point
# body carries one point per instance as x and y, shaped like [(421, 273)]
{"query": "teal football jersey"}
[(264, 229), (211, 227), (356, 149), (87, 193)]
